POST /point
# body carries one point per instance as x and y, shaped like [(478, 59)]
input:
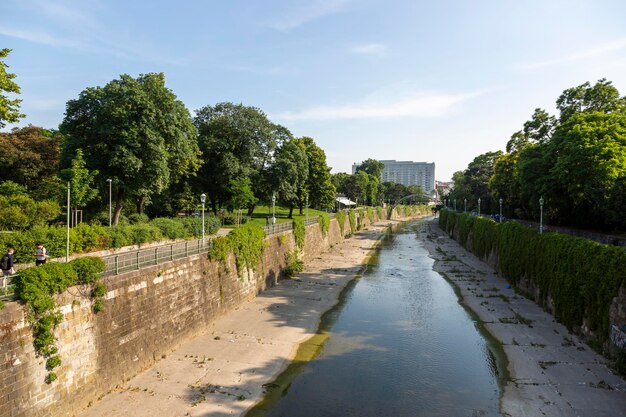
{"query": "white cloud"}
[(37, 37), (307, 11), (376, 49), (419, 105), (577, 56)]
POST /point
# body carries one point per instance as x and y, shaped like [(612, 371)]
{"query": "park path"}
[(552, 372), (222, 371)]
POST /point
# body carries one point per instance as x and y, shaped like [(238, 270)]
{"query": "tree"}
[(362, 179), (81, 181), (338, 180), (372, 167), (9, 109), (30, 156), (241, 194), (319, 186), (601, 97), (290, 174), (236, 141), (135, 132), (476, 180)]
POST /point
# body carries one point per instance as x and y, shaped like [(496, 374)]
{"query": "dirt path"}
[(552, 373), (222, 372)]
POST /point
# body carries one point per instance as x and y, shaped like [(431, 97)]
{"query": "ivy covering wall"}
[(580, 276)]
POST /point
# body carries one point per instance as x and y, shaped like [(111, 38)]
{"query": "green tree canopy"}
[(319, 186), (134, 131), (81, 181), (372, 167), (290, 174), (9, 108)]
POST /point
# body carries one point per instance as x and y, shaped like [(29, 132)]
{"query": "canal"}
[(399, 344)]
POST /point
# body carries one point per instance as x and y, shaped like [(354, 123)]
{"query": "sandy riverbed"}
[(222, 371)]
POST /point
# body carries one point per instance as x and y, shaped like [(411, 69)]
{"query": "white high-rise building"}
[(408, 173)]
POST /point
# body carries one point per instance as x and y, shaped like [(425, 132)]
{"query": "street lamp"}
[(541, 215), (307, 206), (500, 218), (67, 238), (203, 200), (479, 206), (455, 204), (110, 181), (465, 205), (273, 208)]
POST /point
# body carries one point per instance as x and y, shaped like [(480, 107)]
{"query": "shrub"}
[(299, 232), (370, 214), (144, 233), (170, 228), (88, 268), (247, 244), (324, 221), (120, 235), (379, 211), (88, 238), (294, 264), (137, 218), (352, 219), (341, 219)]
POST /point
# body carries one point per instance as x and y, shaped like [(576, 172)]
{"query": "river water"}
[(400, 345)]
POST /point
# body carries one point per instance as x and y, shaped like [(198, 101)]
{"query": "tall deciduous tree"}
[(372, 167), (320, 188), (134, 131), (290, 174), (9, 108), (81, 181), (236, 141)]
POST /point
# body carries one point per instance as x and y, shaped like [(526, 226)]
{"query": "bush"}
[(170, 228), (580, 276), (324, 221), (120, 235), (144, 233), (87, 238), (341, 219), (352, 218), (247, 244), (137, 218), (299, 232), (88, 268), (294, 264)]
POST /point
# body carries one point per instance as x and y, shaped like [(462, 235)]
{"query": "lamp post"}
[(500, 218), (67, 238), (479, 206), (203, 200), (541, 215), (455, 204), (307, 206), (273, 208), (465, 205), (110, 181)]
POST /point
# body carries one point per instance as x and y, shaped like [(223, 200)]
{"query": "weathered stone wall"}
[(147, 313)]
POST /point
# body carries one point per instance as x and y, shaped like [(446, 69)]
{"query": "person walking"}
[(41, 254), (6, 263)]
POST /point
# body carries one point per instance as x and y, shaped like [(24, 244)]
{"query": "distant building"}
[(408, 173)]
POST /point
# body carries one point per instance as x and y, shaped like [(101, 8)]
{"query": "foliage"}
[(324, 221), (136, 218), (290, 174), (319, 186), (220, 247), (379, 212), (37, 288), (341, 219), (21, 212), (170, 228), (247, 244), (9, 109), (299, 232), (294, 264), (579, 276), (81, 180), (133, 131), (371, 167), (370, 214), (352, 219)]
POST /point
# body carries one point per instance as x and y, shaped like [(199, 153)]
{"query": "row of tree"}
[(576, 162), (137, 134)]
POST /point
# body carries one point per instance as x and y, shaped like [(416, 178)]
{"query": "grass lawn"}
[(261, 213)]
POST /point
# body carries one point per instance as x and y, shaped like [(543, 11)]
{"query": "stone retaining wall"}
[(147, 313)]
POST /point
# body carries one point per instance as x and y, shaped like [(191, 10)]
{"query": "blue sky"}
[(434, 81)]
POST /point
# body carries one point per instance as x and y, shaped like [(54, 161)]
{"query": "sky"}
[(428, 81)]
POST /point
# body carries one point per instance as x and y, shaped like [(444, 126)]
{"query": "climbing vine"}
[(37, 288), (379, 211), (299, 232), (324, 222), (580, 276), (370, 214), (245, 242), (352, 218), (341, 219)]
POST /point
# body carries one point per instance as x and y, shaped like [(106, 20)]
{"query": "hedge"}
[(580, 276)]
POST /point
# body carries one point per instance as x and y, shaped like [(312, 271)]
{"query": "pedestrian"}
[(6, 263), (41, 254)]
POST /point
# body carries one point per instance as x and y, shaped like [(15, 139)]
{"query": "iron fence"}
[(278, 228), (134, 260), (7, 289)]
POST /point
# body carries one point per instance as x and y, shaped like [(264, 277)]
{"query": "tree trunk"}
[(214, 207), (141, 201), (251, 210), (119, 204), (301, 208), (290, 212)]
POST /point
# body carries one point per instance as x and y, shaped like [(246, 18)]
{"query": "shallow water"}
[(400, 345)]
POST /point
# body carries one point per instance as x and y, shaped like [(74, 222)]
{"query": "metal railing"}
[(6, 287), (134, 260), (278, 228)]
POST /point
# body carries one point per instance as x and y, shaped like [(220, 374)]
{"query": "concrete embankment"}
[(551, 371), (223, 371)]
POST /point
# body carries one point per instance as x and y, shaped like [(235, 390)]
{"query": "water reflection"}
[(400, 345)]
